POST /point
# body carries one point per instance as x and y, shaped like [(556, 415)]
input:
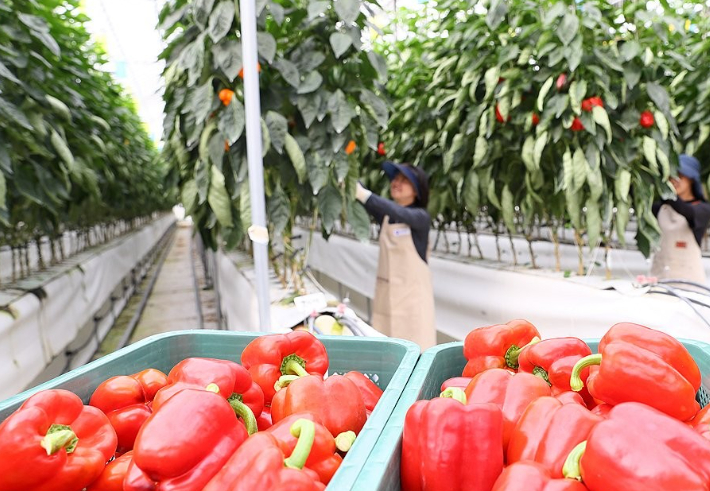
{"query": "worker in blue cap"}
[(403, 306), (683, 223)]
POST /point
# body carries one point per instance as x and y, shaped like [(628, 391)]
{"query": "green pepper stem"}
[(246, 414), (345, 440), (294, 365), (284, 381), (542, 373), (455, 393), (575, 381), (572, 469), (511, 356), (305, 431), (58, 437), (212, 388)]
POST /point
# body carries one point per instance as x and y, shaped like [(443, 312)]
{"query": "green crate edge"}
[(383, 464), (368, 437)]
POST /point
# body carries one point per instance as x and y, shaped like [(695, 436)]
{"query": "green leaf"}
[(311, 83), (602, 119), (289, 72), (230, 121), (221, 20), (378, 63), (341, 113), (218, 198), (227, 57), (216, 149), (189, 196), (265, 139), (659, 96), (7, 74), (568, 171), (11, 111), (556, 11), (200, 101), (543, 93), (471, 197), (480, 151), (528, 154), (340, 43), (279, 210), (277, 12), (294, 152), (491, 80), (662, 123), (622, 220), (347, 10), (359, 220), (622, 185), (630, 50), (309, 106), (496, 13), (201, 11), (594, 222), (330, 204), (5, 162), (375, 106), (278, 127), (577, 91), (580, 167), (317, 8), (574, 208), (266, 45), (508, 209), (59, 107), (491, 195), (204, 148), (3, 192), (568, 28), (540, 144), (49, 42), (100, 122), (245, 205), (63, 150), (317, 172), (596, 182), (454, 152), (649, 152), (632, 74), (665, 163), (648, 57), (202, 179)]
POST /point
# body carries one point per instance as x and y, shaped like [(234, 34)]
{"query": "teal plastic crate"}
[(388, 362), (381, 472)]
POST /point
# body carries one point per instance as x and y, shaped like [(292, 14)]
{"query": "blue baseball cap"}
[(690, 168), (393, 168)]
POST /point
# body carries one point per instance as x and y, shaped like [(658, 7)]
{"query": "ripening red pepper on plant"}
[(225, 95), (241, 70), (647, 120), (535, 119), (497, 346), (561, 81), (54, 443), (350, 147), (577, 124), (642, 365), (499, 116), (590, 103), (381, 149)]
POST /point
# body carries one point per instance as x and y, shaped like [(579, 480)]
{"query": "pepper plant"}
[(73, 152), (537, 113), (321, 112)]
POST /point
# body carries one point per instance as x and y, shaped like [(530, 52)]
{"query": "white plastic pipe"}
[(252, 105)]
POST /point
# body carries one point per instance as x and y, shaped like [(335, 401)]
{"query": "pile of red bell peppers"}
[(532, 415), (273, 422)]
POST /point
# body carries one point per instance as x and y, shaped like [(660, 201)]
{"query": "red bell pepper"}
[(54, 443), (261, 464), (553, 360), (111, 479), (269, 357), (336, 402), (460, 382), (701, 422), (642, 365), (184, 443), (548, 431), (324, 458), (512, 393), (570, 397), (532, 476), (152, 381), (449, 445), (227, 378), (638, 448), (263, 421), (371, 393), (602, 409), (497, 346)]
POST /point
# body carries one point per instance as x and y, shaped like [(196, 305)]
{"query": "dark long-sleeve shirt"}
[(416, 217), (697, 213)]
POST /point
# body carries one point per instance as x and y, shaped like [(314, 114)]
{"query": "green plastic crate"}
[(434, 367), (388, 362)]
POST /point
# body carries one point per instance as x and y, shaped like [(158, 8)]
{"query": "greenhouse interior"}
[(417, 245)]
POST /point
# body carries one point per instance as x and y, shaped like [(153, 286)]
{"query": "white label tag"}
[(310, 303), (401, 232)]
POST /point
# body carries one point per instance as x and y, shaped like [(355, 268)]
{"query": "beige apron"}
[(404, 297), (679, 256)]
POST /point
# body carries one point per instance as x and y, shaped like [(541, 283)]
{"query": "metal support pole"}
[(257, 232)]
